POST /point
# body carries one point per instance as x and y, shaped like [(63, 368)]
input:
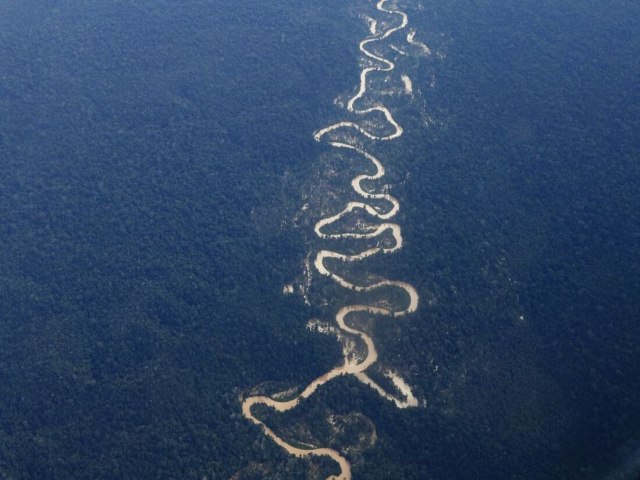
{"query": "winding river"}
[(369, 203)]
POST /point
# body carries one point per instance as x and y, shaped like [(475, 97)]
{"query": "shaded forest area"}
[(151, 153), (140, 289)]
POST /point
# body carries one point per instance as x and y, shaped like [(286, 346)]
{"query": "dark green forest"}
[(152, 157)]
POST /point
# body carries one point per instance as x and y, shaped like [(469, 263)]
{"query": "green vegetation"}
[(149, 155)]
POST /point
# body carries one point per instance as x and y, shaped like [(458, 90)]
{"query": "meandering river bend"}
[(379, 206)]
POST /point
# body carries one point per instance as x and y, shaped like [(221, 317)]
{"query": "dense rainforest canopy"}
[(154, 160)]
